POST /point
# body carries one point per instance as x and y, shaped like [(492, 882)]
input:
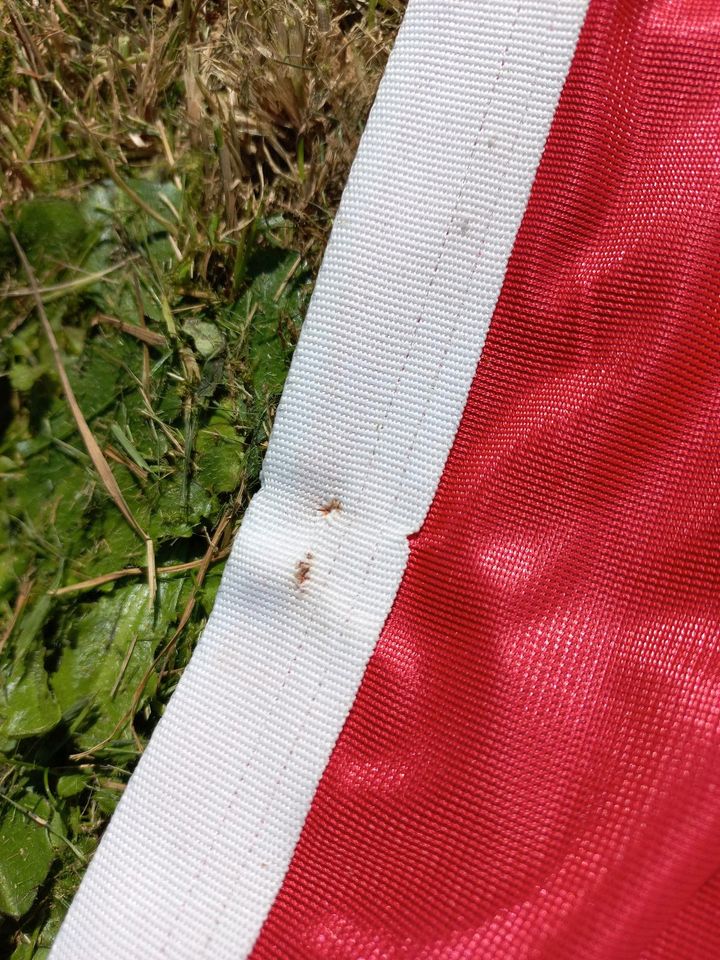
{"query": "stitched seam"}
[(432, 393), (202, 867), (343, 539), (373, 557)]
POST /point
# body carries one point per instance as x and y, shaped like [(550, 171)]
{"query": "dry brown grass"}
[(256, 104)]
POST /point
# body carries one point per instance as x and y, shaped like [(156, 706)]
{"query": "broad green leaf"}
[(108, 649), (26, 853), (27, 706)]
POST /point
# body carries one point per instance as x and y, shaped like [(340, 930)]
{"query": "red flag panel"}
[(532, 766)]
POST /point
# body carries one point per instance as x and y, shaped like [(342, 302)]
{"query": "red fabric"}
[(532, 766)]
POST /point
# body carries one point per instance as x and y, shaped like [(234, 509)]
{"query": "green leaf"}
[(24, 375), (208, 339), (26, 854), (28, 707), (108, 649), (106, 202), (220, 460), (176, 515), (53, 231), (71, 784), (276, 323), (129, 447)]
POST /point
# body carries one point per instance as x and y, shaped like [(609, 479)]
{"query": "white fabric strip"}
[(200, 843)]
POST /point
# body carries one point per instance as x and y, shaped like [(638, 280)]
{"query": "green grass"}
[(169, 172)]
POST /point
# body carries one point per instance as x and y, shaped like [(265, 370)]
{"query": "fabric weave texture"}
[(531, 769)]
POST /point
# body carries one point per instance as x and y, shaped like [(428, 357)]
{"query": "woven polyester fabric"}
[(531, 770), (199, 845)]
